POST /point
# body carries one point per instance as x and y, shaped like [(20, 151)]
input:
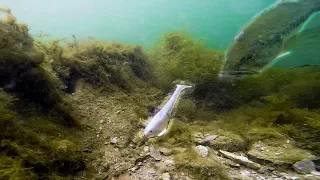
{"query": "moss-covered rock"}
[(278, 153), (200, 168), (179, 134), (228, 141)]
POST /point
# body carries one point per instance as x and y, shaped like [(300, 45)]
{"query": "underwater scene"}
[(171, 90)]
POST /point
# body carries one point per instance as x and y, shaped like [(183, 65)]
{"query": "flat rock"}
[(165, 151), (155, 153), (202, 151), (304, 167), (228, 141), (241, 160), (278, 153), (208, 139)]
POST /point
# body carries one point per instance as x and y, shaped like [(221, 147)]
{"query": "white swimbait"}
[(159, 123)]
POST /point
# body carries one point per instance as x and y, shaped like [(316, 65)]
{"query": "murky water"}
[(79, 79)]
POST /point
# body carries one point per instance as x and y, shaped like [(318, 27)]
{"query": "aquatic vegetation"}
[(186, 110), (178, 56), (34, 113), (34, 144), (200, 168), (100, 63), (13, 169), (116, 84), (179, 133)]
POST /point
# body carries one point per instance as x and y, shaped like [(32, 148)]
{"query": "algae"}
[(41, 124), (200, 168), (100, 63), (179, 56)]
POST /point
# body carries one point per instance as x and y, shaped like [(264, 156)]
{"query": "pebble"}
[(165, 176), (168, 163), (114, 140), (294, 178), (304, 167), (133, 169), (202, 151), (101, 121)]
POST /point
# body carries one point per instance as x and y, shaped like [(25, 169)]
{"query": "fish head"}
[(249, 54), (154, 127)]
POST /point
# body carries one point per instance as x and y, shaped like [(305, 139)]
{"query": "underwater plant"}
[(179, 56), (100, 63)]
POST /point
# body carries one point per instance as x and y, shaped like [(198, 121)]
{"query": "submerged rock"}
[(228, 142), (155, 153), (202, 151), (114, 140), (241, 160), (169, 163), (278, 153), (304, 167), (165, 176), (208, 139)]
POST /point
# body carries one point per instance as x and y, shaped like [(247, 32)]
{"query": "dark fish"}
[(270, 35)]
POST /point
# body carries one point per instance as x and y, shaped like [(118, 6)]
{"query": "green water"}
[(144, 21)]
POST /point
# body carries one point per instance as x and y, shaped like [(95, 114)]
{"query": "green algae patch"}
[(179, 56), (278, 152), (13, 169), (263, 133), (99, 63), (200, 168), (33, 145), (179, 134), (228, 141)]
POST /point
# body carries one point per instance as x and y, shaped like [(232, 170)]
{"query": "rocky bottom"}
[(188, 151)]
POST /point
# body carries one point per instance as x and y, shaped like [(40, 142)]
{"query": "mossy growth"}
[(179, 56), (279, 152), (186, 110), (179, 134), (13, 169), (99, 63), (228, 141), (35, 145), (200, 168), (268, 122)]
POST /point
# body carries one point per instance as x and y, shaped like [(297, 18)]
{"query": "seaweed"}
[(179, 56), (200, 168), (103, 64), (35, 145)]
